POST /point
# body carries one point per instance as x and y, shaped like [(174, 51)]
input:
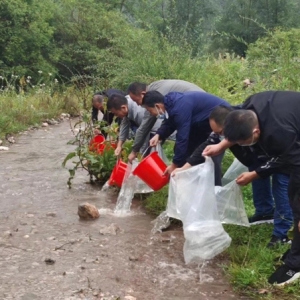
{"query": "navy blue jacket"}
[(186, 110)]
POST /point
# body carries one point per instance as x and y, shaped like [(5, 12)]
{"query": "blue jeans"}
[(263, 194)]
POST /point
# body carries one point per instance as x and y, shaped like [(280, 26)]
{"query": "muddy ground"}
[(38, 221)]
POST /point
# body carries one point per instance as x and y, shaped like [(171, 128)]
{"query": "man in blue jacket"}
[(188, 113)]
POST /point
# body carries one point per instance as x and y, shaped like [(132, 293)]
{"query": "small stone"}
[(35, 264), (95, 293), (45, 124), (30, 215), (88, 211), (64, 273), (112, 229), (49, 261), (51, 238), (133, 258), (3, 148), (8, 234), (166, 240), (26, 236), (51, 214), (52, 122)]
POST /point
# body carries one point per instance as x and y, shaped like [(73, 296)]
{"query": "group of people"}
[(263, 133)]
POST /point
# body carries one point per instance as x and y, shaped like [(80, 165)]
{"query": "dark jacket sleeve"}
[(288, 159), (94, 114), (196, 158), (166, 129)]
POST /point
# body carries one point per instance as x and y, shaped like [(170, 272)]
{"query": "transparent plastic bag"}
[(193, 201), (230, 204), (235, 169)]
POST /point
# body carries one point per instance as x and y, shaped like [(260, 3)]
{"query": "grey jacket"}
[(136, 114), (164, 87)]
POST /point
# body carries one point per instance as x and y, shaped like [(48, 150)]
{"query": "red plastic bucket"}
[(97, 142), (106, 146), (151, 171), (118, 173)]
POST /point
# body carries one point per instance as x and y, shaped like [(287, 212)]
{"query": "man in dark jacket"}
[(98, 101), (270, 121), (188, 113), (265, 194), (137, 90)]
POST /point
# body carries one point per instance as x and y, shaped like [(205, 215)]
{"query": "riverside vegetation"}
[(55, 54)]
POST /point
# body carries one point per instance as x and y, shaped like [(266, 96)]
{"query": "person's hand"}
[(154, 141), (97, 131), (175, 171), (212, 150), (132, 156), (118, 151), (246, 178), (170, 169)]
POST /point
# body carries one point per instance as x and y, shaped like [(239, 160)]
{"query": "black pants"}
[(293, 258), (198, 135)]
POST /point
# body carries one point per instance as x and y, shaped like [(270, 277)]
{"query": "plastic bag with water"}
[(231, 205), (194, 202), (234, 170)]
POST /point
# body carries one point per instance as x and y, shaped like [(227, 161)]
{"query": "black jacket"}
[(278, 114)]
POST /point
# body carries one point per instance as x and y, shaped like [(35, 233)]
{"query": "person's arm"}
[(143, 131), (183, 121), (123, 135), (214, 150), (197, 158)]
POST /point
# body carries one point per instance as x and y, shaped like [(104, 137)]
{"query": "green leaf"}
[(68, 157)]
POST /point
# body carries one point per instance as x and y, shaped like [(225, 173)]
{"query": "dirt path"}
[(38, 220)]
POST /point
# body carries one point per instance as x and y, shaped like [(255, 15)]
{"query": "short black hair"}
[(136, 88), (239, 125), (115, 101), (152, 97), (220, 113)]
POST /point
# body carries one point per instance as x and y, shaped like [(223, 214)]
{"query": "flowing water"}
[(47, 252)]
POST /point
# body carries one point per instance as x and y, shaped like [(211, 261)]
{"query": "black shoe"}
[(275, 240), (284, 275), (260, 219)]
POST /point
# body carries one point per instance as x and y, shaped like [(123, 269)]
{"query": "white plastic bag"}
[(235, 169), (230, 204), (193, 201)]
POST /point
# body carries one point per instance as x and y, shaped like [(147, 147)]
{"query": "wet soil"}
[(47, 252)]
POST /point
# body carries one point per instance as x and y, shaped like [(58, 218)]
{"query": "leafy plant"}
[(98, 162)]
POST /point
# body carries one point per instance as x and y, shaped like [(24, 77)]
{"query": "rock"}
[(3, 148), (52, 122), (112, 229), (11, 139), (88, 211), (49, 261), (26, 236), (133, 258), (45, 124), (8, 234), (30, 215), (51, 214)]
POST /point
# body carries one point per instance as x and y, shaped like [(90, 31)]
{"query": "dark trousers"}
[(293, 258), (198, 135)]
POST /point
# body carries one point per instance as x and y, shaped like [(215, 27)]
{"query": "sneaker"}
[(284, 275), (260, 219), (275, 240)]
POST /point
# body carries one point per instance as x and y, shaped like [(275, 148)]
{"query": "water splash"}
[(203, 277), (160, 223)]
